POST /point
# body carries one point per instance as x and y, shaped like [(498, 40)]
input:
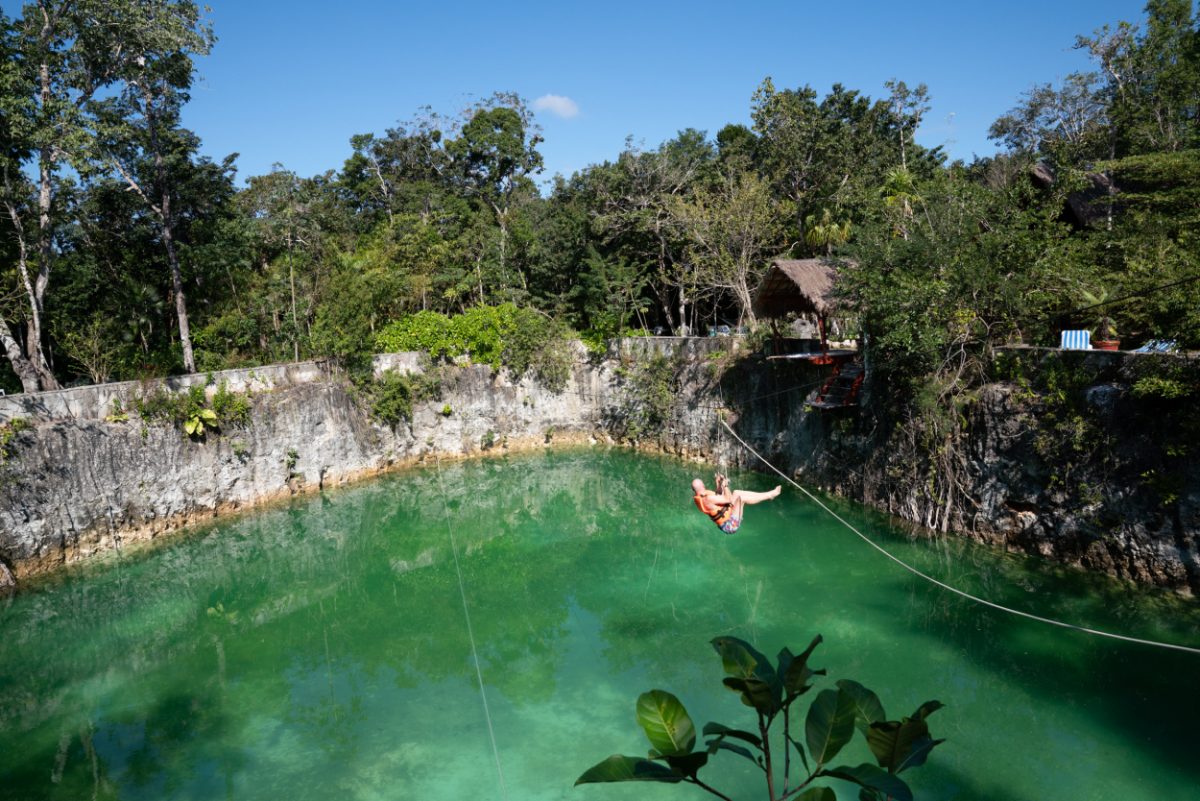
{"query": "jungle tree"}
[(139, 135)]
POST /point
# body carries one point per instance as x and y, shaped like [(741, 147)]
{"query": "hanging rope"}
[(470, 633), (943, 585)]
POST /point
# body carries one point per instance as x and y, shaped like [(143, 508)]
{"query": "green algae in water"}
[(318, 650)]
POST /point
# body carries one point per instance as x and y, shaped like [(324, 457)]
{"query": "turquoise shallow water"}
[(318, 650)]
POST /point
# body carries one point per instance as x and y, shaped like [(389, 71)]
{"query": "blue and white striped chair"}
[(1159, 346), (1076, 340)]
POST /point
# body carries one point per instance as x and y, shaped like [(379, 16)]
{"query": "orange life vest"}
[(718, 512)]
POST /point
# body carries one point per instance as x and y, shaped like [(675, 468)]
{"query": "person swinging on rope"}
[(725, 507)]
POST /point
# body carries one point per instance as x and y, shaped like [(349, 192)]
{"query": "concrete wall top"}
[(670, 346), (98, 401)]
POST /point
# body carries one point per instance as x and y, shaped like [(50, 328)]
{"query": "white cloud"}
[(558, 105)]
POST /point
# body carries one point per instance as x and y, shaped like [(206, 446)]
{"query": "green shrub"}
[(190, 410), (520, 339), (650, 388), (391, 396), (158, 406), (8, 432), (391, 402), (1153, 386), (231, 408), (426, 331)]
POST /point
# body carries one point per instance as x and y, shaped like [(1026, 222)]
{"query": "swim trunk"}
[(731, 525)]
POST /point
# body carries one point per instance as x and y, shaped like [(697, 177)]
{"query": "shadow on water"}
[(133, 753), (1117, 686)]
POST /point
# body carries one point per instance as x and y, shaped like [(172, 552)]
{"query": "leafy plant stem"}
[(706, 788), (787, 752), (766, 740)]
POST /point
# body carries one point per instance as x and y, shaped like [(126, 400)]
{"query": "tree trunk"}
[(166, 218), (185, 335), (683, 304), (46, 159), (34, 356), (295, 324), (20, 364), (746, 302)]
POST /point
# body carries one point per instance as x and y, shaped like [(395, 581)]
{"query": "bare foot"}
[(775, 492)]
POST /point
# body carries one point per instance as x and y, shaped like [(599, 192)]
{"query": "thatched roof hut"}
[(804, 286)]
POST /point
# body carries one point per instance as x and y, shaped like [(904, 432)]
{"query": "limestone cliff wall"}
[(72, 485), (1095, 475), (1082, 458)]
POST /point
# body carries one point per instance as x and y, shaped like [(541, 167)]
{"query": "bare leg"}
[(750, 498)]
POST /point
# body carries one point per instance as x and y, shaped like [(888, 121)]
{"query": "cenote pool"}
[(318, 650)]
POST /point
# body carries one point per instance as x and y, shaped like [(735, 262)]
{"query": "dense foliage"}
[(124, 253), (498, 336)]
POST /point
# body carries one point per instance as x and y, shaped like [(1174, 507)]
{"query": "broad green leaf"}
[(740, 659), (893, 741), (749, 674), (755, 693), (208, 415), (718, 729), (926, 709), (795, 672), (192, 426), (817, 794), (919, 753), (666, 723), (721, 744), (619, 768), (688, 764), (867, 775), (829, 725), (867, 708)]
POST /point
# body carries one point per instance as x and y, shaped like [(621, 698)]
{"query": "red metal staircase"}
[(841, 389)]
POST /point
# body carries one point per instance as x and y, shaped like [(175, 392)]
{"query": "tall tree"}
[(139, 131), (731, 229), (61, 59), (833, 153), (1068, 123), (495, 156), (1153, 78), (633, 215), (14, 190)]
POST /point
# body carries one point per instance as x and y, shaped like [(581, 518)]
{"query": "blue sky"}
[(291, 81)]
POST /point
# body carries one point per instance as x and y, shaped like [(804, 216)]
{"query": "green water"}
[(335, 663)]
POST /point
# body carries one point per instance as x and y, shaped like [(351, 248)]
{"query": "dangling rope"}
[(470, 633), (945, 586)]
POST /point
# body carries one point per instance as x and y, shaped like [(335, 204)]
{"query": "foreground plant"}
[(832, 719)]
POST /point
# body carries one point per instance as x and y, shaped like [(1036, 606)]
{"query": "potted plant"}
[(1104, 337)]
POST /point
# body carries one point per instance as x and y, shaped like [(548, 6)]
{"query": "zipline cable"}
[(470, 633), (943, 585)]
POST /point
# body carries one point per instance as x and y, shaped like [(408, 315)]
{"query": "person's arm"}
[(722, 498)]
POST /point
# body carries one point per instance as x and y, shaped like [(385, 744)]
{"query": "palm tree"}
[(826, 231), (1105, 330), (899, 192)]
